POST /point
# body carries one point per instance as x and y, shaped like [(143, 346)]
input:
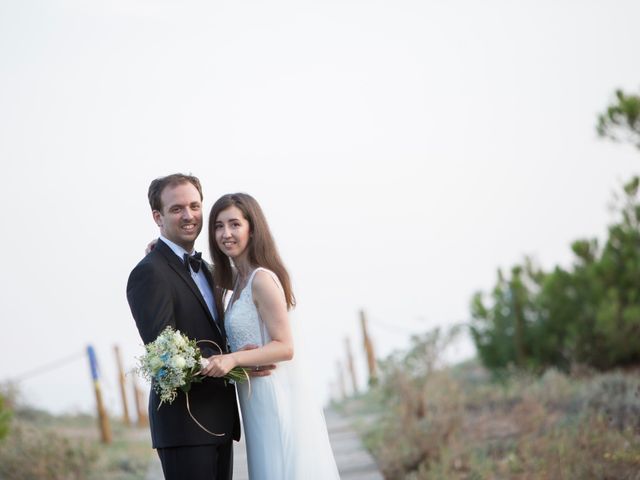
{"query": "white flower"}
[(178, 339), (155, 363), (178, 361)]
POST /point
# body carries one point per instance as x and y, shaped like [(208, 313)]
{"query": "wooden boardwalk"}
[(354, 462)]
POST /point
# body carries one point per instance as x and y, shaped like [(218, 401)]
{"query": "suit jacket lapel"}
[(181, 270)]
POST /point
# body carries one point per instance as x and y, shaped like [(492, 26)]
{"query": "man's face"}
[(181, 217)]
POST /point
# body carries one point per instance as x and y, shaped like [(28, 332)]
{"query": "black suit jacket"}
[(161, 292)]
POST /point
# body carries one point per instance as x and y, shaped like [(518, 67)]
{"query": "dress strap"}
[(253, 274)]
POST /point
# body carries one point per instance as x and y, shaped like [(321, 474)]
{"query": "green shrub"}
[(616, 397), (588, 314), (5, 418)]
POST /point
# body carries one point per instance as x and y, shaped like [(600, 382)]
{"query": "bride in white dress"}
[(284, 427)]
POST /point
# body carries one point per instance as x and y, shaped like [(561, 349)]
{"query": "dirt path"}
[(354, 462)]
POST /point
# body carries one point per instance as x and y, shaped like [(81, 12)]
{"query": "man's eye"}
[(175, 210)]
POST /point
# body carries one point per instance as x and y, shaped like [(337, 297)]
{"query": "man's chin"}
[(189, 240), (186, 242)]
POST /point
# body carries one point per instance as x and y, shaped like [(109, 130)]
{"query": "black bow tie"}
[(195, 261)]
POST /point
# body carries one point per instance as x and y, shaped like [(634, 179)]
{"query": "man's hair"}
[(159, 184)]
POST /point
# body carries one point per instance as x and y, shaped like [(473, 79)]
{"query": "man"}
[(172, 286)]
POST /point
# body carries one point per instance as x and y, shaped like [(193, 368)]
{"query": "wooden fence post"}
[(123, 390), (341, 385), (368, 348), (351, 365), (138, 396), (103, 419)]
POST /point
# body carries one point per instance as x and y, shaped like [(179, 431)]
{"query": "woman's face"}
[(232, 232)]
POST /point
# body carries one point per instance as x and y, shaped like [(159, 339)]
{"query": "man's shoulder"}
[(150, 263), (150, 274)]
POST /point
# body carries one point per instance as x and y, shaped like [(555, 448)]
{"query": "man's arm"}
[(150, 301)]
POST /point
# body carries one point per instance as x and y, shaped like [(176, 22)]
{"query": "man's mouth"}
[(190, 227)]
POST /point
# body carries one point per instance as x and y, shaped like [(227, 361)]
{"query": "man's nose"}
[(187, 214)]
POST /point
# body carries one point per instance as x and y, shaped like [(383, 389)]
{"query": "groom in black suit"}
[(172, 286)]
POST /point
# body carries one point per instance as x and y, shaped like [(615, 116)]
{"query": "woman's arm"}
[(272, 307)]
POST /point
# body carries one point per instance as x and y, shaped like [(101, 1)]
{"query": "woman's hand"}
[(218, 365), (151, 246)]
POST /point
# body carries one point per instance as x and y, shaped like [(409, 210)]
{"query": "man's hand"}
[(260, 370)]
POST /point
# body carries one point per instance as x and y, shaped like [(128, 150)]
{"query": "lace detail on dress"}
[(242, 321)]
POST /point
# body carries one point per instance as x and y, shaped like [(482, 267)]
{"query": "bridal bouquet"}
[(173, 361)]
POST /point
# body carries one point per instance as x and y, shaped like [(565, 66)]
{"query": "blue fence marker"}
[(103, 419), (93, 363)]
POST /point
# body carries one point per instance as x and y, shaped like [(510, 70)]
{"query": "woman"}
[(286, 436)]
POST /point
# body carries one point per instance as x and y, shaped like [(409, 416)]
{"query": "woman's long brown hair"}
[(262, 248)]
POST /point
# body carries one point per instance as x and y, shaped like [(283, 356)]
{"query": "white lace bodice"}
[(242, 320)]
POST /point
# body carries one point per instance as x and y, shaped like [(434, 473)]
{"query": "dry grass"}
[(30, 452), (458, 424), (42, 446)]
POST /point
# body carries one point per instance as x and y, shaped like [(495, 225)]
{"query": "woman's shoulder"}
[(265, 281), (264, 275)]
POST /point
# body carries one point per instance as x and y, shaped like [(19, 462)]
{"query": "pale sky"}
[(402, 151)]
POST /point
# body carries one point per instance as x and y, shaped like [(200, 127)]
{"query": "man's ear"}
[(157, 217)]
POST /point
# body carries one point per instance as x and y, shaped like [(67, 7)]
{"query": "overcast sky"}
[(402, 151)]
